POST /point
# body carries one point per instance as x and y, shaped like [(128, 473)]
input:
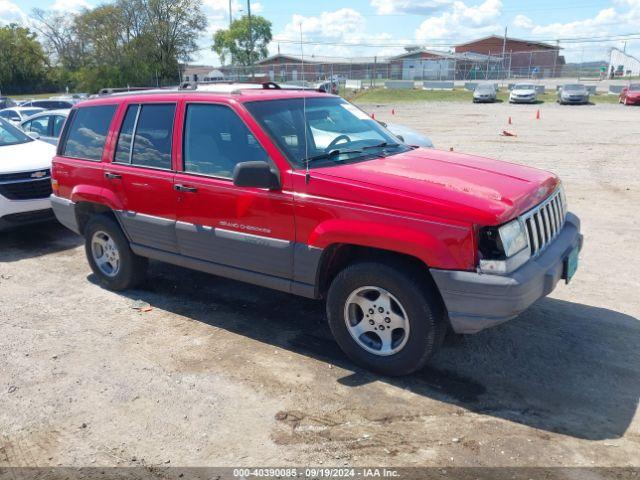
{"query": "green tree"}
[(245, 41), (174, 26), (23, 63)]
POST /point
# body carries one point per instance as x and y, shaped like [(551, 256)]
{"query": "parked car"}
[(18, 114), (408, 136), (630, 95), (573, 93), (25, 178), (328, 87), (49, 104), (523, 93), (46, 124), (401, 243), (6, 102), (484, 93)]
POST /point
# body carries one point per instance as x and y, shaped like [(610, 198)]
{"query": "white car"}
[(18, 114), (409, 136), (523, 93), (25, 177), (46, 125)]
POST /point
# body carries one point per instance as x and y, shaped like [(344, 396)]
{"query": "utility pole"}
[(250, 38), (504, 48), (230, 14)]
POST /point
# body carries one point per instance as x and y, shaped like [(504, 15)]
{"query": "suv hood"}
[(27, 156), (465, 187)]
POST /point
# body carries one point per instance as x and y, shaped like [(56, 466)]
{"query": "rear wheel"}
[(114, 264), (385, 318)]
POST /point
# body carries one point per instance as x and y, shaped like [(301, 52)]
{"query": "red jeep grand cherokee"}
[(302, 192)]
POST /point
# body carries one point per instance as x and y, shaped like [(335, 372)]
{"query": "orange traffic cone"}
[(538, 115)]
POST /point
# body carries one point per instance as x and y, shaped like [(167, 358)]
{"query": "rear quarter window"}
[(87, 132)]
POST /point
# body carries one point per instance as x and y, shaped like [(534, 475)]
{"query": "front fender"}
[(437, 245)]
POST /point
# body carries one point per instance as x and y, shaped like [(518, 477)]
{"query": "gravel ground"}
[(221, 373)]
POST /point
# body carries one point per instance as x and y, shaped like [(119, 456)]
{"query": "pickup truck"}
[(303, 192)]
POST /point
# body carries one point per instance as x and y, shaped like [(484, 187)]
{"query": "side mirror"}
[(34, 135), (401, 138), (255, 174)]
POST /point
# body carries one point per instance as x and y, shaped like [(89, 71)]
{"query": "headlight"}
[(513, 237), (504, 248)]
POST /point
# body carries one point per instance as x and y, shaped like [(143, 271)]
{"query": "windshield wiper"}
[(331, 154), (381, 145)]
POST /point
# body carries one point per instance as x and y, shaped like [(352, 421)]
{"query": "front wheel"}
[(385, 318), (110, 257)]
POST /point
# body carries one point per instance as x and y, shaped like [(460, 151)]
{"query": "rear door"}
[(140, 175), (246, 228)]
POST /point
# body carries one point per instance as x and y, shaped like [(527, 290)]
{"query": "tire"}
[(103, 235), (412, 298)]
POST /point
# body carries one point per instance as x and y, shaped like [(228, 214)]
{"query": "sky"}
[(382, 27)]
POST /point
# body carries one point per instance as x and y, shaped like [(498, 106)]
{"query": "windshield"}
[(634, 87), (10, 135), (334, 130), (485, 88), (524, 86), (573, 87)]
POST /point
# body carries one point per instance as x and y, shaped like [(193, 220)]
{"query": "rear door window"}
[(88, 132), (150, 127)]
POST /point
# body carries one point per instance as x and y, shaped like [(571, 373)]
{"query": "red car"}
[(303, 192), (630, 95)]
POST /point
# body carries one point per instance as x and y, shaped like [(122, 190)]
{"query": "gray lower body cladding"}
[(477, 301), (65, 212)]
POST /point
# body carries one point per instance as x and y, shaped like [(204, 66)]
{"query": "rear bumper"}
[(477, 301), (65, 212)]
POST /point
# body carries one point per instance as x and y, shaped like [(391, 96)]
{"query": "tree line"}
[(125, 43), (129, 42)]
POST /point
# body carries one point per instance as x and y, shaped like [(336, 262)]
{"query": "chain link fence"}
[(575, 62)]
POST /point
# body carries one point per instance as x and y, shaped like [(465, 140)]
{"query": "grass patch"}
[(383, 95), (29, 96)]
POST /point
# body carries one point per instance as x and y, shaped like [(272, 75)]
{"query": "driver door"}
[(247, 229)]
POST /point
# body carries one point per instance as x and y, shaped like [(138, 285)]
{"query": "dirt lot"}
[(221, 373)]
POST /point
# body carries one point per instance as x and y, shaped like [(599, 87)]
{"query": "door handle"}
[(184, 188), (112, 176)]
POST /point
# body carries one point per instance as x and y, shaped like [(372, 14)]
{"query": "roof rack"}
[(208, 87)]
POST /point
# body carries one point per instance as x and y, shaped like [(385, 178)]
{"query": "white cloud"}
[(522, 21), (461, 22), (11, 13), (621, 18), (386, 7), (342, 26), (70, 5)]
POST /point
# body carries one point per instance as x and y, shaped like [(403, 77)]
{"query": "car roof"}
[(238, 92), (59, 111), (20, 109)]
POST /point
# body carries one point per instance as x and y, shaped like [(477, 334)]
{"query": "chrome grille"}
[(544, 222)]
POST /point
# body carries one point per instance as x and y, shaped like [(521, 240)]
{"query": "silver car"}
[(573, 93), (408, 135), (45, 125), (523, 93), (484, 93)]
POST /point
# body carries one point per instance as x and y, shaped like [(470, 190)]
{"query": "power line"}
[(568, 40)]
